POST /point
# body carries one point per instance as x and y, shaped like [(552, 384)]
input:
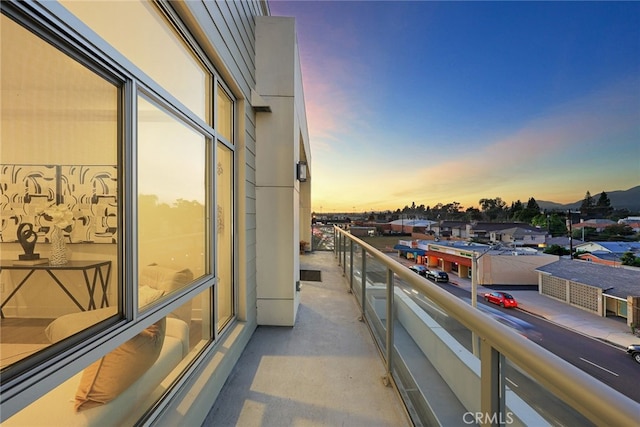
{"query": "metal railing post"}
[(491, 397), (390, 286)]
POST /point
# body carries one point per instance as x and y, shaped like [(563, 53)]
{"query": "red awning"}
[(461, 260)]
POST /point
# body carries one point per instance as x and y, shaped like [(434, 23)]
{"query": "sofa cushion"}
[(106, 378), (169, 280), (147, 295), (69, 324), (57, 406)]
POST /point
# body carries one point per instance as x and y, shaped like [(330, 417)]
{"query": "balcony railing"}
[(454, 365)]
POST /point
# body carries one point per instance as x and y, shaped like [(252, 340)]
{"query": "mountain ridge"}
[(620, 199)]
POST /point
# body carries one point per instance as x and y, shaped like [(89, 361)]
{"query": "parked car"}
[(437, 276), (503, 299), (420, 269), (634, 351)]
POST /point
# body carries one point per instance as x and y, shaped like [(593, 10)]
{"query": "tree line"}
[(497, 210)]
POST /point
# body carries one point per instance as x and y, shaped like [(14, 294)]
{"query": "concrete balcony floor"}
[(324, 371)]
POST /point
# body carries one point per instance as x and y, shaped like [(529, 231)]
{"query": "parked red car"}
[(503, 299)]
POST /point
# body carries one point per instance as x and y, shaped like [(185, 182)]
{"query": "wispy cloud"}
[(535, 159)]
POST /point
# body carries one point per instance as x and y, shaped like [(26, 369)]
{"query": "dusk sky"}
[(436, 102)]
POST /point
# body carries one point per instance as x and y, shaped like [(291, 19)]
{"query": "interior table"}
[(95, 273)]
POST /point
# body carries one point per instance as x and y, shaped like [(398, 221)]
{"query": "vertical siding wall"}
[(225, 30)]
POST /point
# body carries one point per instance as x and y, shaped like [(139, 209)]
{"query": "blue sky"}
[(436, 102)]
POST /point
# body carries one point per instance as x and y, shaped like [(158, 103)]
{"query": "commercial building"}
[(497, 265), (175, 134), (600, 289)]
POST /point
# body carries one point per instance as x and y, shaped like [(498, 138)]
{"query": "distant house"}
[(482, 231), (451, 229), (597, 224), (635, 226), (562, 241), (520, 236), (362, 231), (631, 221), (607, 253), (411, 225), (600, 289)]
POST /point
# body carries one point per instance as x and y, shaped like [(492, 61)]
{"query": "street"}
[(606, 362)]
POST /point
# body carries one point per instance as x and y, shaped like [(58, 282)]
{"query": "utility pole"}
[(474, 276), (570, 234), (570, 219)]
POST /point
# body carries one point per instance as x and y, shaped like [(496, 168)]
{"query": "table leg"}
[(66, 291), (14, 292)]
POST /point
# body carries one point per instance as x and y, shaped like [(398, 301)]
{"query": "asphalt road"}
[(606, 362)]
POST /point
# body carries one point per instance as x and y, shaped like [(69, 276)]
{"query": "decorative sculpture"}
[(27, 239)]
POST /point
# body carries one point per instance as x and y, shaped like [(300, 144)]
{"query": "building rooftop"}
[(617, 281)]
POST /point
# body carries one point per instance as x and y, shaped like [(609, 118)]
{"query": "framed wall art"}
[(89, 191)]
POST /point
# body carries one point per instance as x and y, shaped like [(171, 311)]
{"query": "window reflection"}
[(141, 26), (224, 218), (171, 192), (224, 114)]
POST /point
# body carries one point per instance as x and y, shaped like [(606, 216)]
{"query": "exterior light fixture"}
[(301, 171)]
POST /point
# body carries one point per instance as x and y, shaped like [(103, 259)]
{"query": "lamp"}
[(301, 171)]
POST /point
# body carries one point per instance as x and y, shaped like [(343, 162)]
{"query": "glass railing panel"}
[(348, 261), (356, 262), (356, 287), (322, 238), (444, 378), (375, 300), (458, 332), (528, 402), (434, 361)]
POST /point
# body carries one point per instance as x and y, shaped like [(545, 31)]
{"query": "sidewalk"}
[(613, 331)]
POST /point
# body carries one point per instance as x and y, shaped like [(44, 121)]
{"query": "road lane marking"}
[(598, 366), (433, 307)]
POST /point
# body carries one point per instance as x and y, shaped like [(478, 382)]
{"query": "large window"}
[(58, 176), (149, 186)]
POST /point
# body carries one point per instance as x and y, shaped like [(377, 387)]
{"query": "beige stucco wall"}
[(282, 142), (511, 269)]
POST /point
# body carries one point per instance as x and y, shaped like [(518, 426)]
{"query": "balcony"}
[(435, 361)]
